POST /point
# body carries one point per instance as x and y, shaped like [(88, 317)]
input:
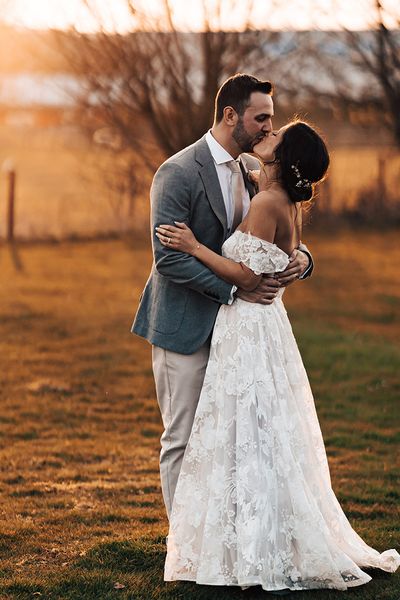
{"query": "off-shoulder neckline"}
[(249, 234)]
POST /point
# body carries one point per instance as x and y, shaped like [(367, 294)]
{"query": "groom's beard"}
[(243, 139)]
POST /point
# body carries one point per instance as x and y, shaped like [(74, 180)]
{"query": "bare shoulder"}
[(274, 200), (266, 209)]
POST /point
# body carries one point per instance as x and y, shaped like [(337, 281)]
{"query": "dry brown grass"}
[(91, 448), (356, 283), (80, 425)]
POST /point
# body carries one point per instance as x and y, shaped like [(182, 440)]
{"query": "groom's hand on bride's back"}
[(264, 293), (299, 263)]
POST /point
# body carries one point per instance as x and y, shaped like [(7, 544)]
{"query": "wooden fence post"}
[(9, 169)]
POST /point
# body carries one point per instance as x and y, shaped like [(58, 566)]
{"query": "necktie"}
[(238, 191)]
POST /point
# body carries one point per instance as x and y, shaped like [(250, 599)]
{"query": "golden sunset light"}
[(297, 14), (200, 307)]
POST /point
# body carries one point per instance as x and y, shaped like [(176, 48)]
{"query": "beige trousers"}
[(178, 379)]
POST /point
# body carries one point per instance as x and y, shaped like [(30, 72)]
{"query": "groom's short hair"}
[(236, 92)]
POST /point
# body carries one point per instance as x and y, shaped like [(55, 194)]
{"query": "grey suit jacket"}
[(179, 304)]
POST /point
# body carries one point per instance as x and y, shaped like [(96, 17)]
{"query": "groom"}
[(206, 186)]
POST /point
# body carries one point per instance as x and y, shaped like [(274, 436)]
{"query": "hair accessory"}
[(300, 181)]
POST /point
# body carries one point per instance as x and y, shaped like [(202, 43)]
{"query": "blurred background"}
[(94, 95)]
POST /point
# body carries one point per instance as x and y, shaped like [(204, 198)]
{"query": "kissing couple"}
[(244, 472)]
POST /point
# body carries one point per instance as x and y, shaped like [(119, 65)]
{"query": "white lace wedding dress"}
[(254, 503)]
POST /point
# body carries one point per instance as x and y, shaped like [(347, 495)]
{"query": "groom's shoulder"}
[(186, 156)]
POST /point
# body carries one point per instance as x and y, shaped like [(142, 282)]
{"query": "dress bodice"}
[(255, 253)]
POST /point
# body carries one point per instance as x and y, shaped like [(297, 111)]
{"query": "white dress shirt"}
[(221, 157)]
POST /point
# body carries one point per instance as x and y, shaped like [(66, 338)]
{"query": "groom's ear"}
[(230, 116)]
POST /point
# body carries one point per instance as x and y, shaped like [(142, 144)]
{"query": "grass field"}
[(80, 503)]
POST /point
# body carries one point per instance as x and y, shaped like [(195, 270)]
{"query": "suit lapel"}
[(208, 174)]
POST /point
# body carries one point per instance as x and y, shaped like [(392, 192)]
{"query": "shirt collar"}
[(219, 154)]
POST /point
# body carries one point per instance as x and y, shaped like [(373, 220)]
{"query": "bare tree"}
[(150, 92), (363, 67), (156, 85), (381, 59)]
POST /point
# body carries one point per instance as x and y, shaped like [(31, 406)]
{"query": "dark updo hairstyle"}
[(303, 160)]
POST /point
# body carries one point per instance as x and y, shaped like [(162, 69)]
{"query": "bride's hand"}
[(179, 237)]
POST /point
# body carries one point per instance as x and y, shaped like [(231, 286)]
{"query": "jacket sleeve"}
[(170, 201), (310, 268)]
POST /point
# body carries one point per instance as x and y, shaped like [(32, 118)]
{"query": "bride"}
[(254, 503)]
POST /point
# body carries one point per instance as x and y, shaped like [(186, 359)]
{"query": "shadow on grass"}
[(9, 542), (126, 557), (133, 570), (16, 256)]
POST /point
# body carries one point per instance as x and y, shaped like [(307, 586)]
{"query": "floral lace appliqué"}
[(258, 255)]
